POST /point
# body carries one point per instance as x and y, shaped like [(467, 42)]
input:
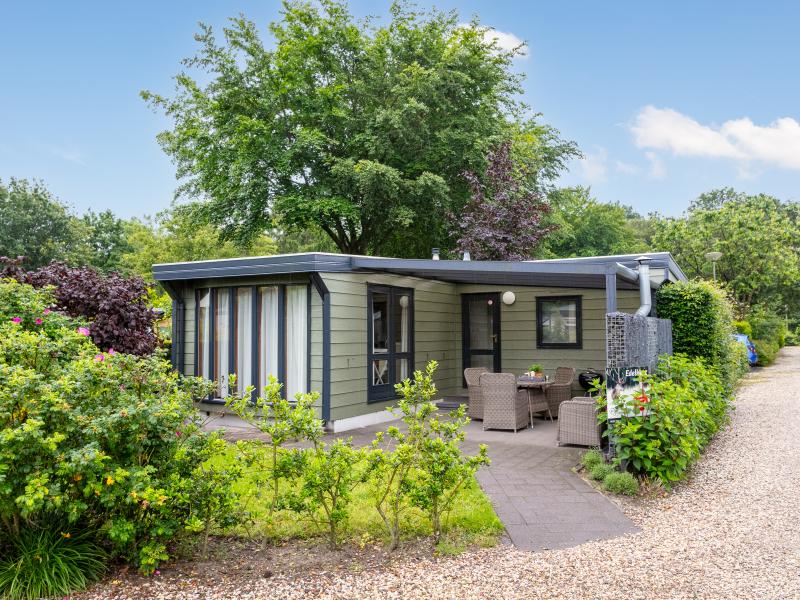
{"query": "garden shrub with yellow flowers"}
[(100, 451)]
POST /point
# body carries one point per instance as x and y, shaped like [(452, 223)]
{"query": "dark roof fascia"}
[(451, 270), (258, 265), (468, 266)]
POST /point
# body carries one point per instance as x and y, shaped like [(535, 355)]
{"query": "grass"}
[(472, 521)]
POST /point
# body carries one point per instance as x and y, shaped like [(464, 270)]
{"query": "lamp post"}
[(714, 257)]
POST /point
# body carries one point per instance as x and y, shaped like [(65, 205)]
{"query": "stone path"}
[(542, 503)]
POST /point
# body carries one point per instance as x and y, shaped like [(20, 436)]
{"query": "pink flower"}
[(83, 330), (39, 321), (158, 572), (178, 433), (99, 357), (111, 352), (47, 311), (16, 320)]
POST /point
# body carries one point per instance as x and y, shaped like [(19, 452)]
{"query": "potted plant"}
[(536, 370)]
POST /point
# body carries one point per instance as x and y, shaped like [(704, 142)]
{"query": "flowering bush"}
[(102, 441), (663, 432), (117, 307)]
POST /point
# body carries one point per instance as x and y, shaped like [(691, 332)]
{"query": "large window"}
[(390, 324), (558, 322), (253, 332)]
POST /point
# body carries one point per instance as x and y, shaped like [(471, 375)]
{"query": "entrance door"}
[(480, 330)]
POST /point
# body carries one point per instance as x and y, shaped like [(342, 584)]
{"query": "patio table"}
[(532, 386)]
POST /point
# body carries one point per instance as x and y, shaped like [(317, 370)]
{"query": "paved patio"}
[(542, 503)]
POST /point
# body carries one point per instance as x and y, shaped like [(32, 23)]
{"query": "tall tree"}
[(173, 237), (34, 224), (758, 236), (103, 241), (502, 220), (362, 131), (587, 227)]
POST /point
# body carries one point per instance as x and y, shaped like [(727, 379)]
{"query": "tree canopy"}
[(173, 237), (758, 236), (583, 226), (34, 224), (502, 220), (360, 130)]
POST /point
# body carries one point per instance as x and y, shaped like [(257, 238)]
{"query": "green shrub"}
[(663, 432), (46, 562), (591, 458), (768, 326), (767, 351), (793, 338), (99, 440), (621, 483), (702, 325), (743, 327), (599, 471)]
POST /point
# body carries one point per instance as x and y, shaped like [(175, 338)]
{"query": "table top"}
[(530, 383)]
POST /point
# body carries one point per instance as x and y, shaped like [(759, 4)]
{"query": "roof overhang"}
[(587, 272)]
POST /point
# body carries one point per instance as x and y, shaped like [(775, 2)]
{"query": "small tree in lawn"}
[(329, 475), (282, 421), (426, 467), (502, 219), (443, 467)]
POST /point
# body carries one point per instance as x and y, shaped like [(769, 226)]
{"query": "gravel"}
[(731, 531)]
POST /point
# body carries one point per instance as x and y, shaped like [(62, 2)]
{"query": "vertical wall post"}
[(611, 289), (325, 295)]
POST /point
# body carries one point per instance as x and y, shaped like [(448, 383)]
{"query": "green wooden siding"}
[(437, 331)]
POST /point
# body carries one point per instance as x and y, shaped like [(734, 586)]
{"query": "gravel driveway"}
[(732, 531)]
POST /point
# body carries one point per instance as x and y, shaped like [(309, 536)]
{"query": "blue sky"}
[(666, 100)]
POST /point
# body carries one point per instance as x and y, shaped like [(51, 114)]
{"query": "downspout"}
[(645, 294), (642, 277)]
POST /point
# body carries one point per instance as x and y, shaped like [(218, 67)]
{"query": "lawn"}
[(471, 522)]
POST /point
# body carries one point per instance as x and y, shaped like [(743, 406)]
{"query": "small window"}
[(390, 314), (558, 322)]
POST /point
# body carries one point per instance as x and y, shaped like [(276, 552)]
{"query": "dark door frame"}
[(466, 351)]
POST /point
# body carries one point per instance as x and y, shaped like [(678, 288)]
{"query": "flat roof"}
[(564, 272)]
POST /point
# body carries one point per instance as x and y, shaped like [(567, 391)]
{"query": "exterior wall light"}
[(509, 298)]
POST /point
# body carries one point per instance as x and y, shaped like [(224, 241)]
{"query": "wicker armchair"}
[(561, 389), (577, 422), (504, 407), (473, 376)]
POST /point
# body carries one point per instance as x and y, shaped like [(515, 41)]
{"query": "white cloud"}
[(658, 169), (776, 144), (626, 168), (71, 154), (505, 40), (594, 165)]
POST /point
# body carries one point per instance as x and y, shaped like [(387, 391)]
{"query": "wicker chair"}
[(561, 389), (504, 407), (473, 376), (577, 422)]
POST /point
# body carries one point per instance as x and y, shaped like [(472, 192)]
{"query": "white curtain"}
[(267, 335), (244, 339), (221, 341), (402, 371), (296, 340), (203, 334)]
